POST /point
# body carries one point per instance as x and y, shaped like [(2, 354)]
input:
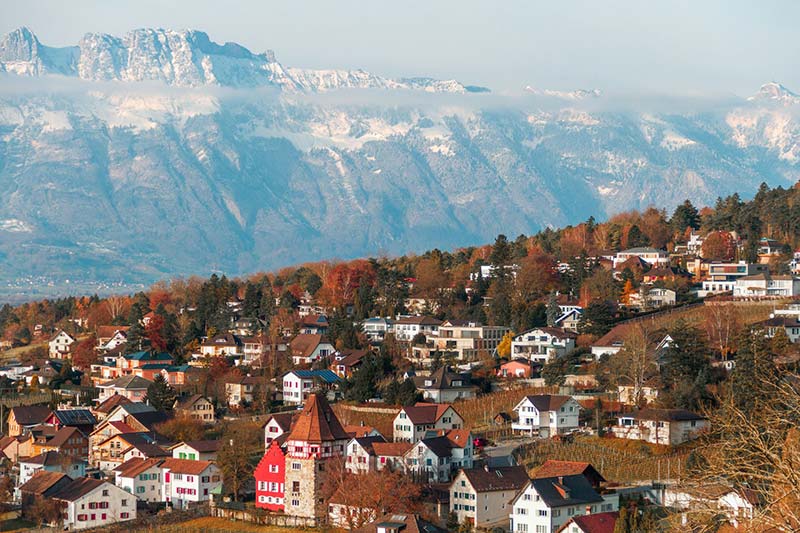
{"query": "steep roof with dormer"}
[(317, 423)]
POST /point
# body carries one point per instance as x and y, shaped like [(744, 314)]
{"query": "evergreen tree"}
[(553, 310), (685, 216), (686, 368), (252, 300), (160, 394), (754, 371), (597, 318)]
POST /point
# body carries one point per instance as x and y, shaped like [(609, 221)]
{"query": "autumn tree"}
[(719, 246), (182, 428), (369, 495), (84, 353), (238, 455), (504, 347)]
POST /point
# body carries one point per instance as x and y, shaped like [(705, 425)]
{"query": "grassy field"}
[(217, 525)]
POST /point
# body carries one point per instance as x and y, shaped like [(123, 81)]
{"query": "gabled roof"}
[(643, 250), (666, 415), (30, 415), (419, 320), (49, 458), (127, 383), (121, 427), (224, 339), (44, 481), (405, 522), (78, 488), (566, 490), (351, 357), (304, 344), (440, 446), (593, 523), (367, 443), (133, 408), (317, 422), (149, 444), (186, 466), (558, 333), (548, 402), (75, 417), (358, 431), (553, 468), (149, 419), (137, 465), (441, 379), (185, 402), (391, 449), (459, 438), (202, 446), (63, 435), (499, 478), (284, 420), (425, 413), (323, 375), (108, 332), (59, 333)]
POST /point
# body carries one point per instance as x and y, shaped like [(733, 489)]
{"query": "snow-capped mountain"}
[(775, 92), (578, 94), (112, 178)]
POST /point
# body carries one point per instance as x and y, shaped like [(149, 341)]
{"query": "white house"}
[(445, 386), (276, 426), (196, 450), (376, 328), (61, 344), (482, 496), (652, 298), (186, 481), (660, 426), (722, 276), (298, 384), (406, 328), (92, 503), (132, 387), (360, 456), (542, 345), (570, 318), (50, 461), (140, 477), (736, 505), (429, 460), (414, 421), (766, 285), (546, 415), (653, 256), (306, 348), (467, 340), (545, 504)]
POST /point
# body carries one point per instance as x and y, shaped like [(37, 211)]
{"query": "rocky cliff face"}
[(199, 168)]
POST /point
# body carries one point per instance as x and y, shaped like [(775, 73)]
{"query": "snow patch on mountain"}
[(578, 94), (775, 92), (674, 141)]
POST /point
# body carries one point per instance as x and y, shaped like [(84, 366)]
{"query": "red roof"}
[(593, 523), (317, 423), (186, 466)]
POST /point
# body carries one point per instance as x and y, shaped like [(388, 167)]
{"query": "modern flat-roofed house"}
[(722, 276), (542, 345), (766, 285), (406, 328), (482, 496), (546, 415), (467, 340), (660, 426)]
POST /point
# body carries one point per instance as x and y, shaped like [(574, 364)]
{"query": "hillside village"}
[(638, 374)]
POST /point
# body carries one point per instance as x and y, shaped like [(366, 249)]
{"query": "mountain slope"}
[(170, 154)]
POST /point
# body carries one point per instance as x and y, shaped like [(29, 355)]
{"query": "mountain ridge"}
[(117, 179)]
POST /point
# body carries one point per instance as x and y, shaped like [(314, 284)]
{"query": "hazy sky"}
[(697, 46)]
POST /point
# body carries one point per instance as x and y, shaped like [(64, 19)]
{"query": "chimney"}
[(560, 480), (486, 467), (588, 509)]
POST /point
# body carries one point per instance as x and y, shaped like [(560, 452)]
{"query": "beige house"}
[(660, 426), (196, 407), (482, 496)]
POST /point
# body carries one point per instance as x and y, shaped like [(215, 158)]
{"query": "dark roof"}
[(443, 378), (45, 481), (593, 523), (368, 442), (78, 488), (781, 320), (558, 333), (203, 446), (440, 446), (284, 420), (317, 422), (150, 419), (666, 415), (224, 339), (351, 357), (30, 415), (420, 320), (425, 413), (553, 468), (325, 375), (75, 417), (128, 383), (63, 435), (304, 344), (408, 523), (152, 445), (112, 402), (187, 401), (566, 490), (49, 458), (501, 478), (548, 402)]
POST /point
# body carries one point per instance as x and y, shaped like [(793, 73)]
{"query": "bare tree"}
[(635, 363), (722, 326), (757, 449)]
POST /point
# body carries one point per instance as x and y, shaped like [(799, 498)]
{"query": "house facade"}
[(546, 415), (141, 478), (542, 345), (482, 496), (298, 384), (60, 345), (660, 426), (187, 482), (414, 421), (270, 477), (90, 503)]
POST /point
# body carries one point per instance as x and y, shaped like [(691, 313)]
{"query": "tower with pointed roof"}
[(315, 439)]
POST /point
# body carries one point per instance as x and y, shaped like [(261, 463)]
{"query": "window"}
[(295, 486), (542, 512), (522, 510), (124, 515), (526, 497), (296, 503), (541, 529), (295, 466), (105, 492), (522, 528)]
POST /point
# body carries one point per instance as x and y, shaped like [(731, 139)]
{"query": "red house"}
[(270, 477)]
